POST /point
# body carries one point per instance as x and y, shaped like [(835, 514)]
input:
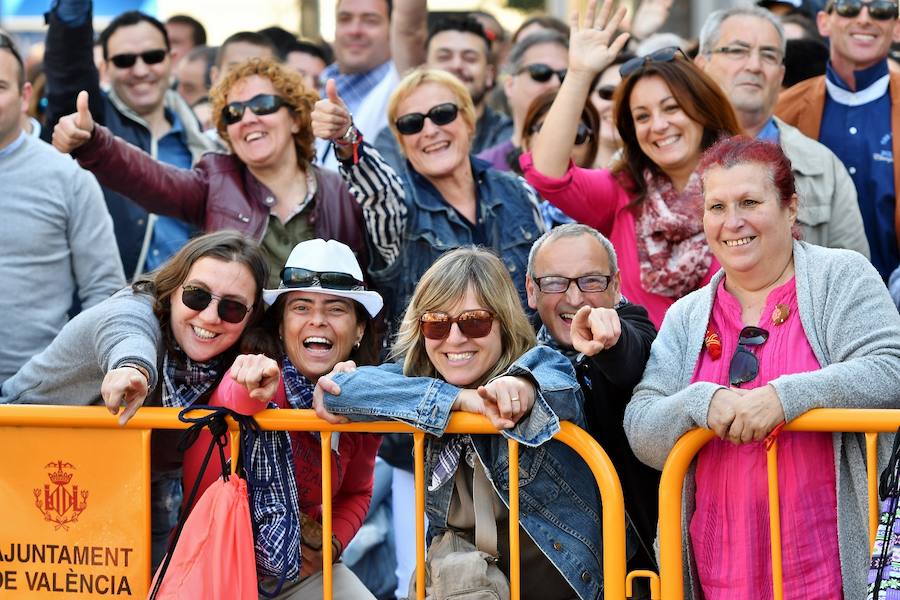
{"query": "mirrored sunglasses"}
[(296, 277), (880, 10), (412, 123), (128, 59), (196, 298), (477, 323), (259, 105)]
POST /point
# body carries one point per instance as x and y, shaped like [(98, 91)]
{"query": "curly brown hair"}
[(288, 84)]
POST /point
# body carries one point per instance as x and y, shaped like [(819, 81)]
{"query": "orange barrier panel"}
[(146, 419), (870, 422)]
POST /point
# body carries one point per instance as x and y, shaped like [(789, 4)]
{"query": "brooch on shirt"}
[(780, 314), (713, 343)]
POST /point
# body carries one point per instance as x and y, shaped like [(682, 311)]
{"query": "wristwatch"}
[(350, 137)]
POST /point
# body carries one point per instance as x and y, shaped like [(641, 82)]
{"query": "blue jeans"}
[(165, 504)]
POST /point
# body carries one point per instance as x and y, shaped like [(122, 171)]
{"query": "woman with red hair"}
[(783, 328)]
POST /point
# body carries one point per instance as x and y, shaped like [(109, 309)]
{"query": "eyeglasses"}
[(296, 277), (442, 114), (557, 284), (196, 298), (744, 365), (259, 105), (582, 135), (542, 73), (740, 53), (880, 10), (663, 55), (128, 59), (472, 324), (605, 92)]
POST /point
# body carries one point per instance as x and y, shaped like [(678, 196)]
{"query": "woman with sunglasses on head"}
[(465, 344), (783, 328), (320, 314), (268, 188), (667, 113), (164, 341), (446, 198)]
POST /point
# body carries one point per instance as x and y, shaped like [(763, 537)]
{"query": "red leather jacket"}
[(218, 193)]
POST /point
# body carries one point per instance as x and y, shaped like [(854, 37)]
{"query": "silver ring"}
[(514, 399)]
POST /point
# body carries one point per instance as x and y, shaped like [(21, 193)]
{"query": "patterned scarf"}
[(671, 244), (299, 392), (184, 380)]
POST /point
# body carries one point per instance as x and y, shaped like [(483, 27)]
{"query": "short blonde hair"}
[(288, 84), (444, 284), (421, 76)]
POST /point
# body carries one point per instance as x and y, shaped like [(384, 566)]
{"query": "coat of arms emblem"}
[(60, 503)]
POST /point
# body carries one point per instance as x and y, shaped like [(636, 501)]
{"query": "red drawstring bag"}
[(214, 557), (211, 554)]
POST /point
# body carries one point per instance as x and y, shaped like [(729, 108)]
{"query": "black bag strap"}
[(889, 488), (218, 427)]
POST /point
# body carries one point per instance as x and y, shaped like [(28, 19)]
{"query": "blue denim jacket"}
[(508, 214), (558, 497)]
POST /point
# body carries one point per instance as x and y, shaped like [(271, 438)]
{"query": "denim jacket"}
[(508, 214), (558, 498)]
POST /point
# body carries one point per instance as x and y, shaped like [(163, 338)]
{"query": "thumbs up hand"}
[(330, 117), (74, 130)]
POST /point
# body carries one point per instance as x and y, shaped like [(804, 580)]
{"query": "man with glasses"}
[(573, 283), (139, 107), (854, 109), (535, 65), (460, 46), (742, 49), (57, 236)]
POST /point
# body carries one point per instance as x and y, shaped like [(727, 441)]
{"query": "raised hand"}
[(648, 18), (506, 400), (125, 386), (591, 44), (595, 329), (259, 374), (74, 130), (330, 118)]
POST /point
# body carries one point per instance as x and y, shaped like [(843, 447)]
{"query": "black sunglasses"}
[(442, 114), (663, 55), (605, 92), (582, 135), (557, 284), (542, 73), (296, 277), (880, 10), (259, 105), (744, 365), (128, 59), (196, 298)]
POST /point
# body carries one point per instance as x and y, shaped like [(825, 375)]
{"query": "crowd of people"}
[(595, 221)]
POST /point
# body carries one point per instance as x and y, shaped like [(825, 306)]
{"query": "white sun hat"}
[(320, 263)]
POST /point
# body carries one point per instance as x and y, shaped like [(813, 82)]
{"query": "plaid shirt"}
[(185, 382)]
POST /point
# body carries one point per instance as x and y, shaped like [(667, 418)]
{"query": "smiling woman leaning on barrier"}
[(785, 327), (159, 342), (466, 345)]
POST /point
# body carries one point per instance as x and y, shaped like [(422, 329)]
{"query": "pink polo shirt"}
[(730, 527)]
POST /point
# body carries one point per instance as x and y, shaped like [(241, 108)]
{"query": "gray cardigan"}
[(854, 331), (119, 330)]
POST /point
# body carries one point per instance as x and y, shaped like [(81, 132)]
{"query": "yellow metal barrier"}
[(613, 511), (870, 422)]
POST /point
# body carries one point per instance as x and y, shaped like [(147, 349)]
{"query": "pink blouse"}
[(595, 198), (730, 527)]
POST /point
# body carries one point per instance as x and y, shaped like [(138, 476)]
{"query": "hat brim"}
[(371, 301)]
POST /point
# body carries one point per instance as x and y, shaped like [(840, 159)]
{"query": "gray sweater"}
[(854, 331), (57, 237), (120, 330)]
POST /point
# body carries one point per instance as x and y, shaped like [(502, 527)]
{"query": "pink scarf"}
[(671, 244)]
